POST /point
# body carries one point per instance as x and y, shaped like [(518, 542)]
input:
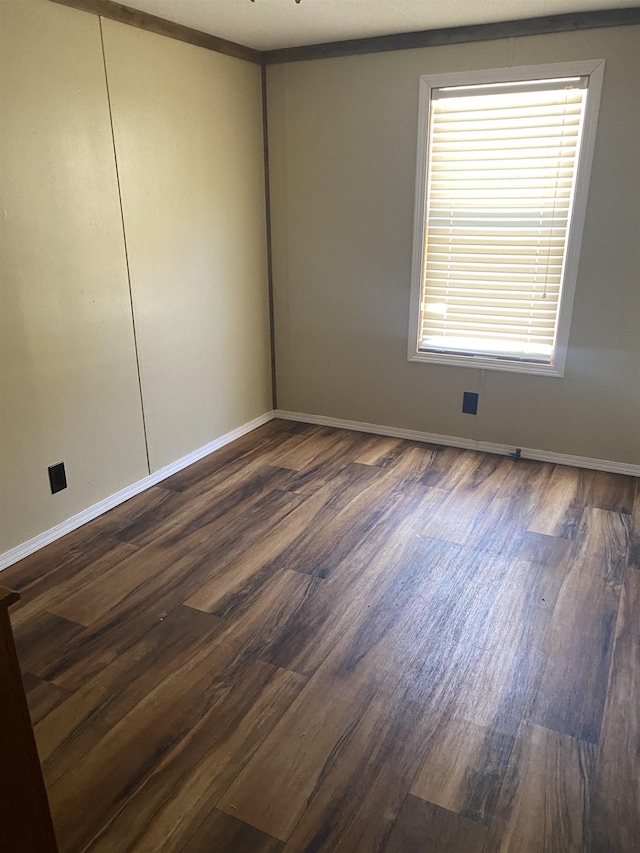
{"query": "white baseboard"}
[(20, 551), (466, 443)]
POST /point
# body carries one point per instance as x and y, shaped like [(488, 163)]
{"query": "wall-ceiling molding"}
[(375, 44), (145, 21), (459, 35)]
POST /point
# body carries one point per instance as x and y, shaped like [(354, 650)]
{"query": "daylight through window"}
[(502, 166)]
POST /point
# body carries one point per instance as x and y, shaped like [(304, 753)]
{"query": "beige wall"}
[(189, 135), (188, 131), (69, 385), (342, 155)]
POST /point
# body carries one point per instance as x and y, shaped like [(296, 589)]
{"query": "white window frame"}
[(594, 69)]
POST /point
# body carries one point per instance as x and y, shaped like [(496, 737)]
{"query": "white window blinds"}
[(502, 163)]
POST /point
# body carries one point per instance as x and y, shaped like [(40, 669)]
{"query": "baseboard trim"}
[(18, 553), (14, 555), (466, 443)]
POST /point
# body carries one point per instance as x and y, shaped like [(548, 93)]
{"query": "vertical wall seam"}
[(126, 250), (267, 198)]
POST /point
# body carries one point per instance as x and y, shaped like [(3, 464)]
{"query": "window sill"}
[(483, 362)]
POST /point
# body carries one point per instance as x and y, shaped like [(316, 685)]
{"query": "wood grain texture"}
[(504, 522), (68, 733), (345, 606), (573, 688), (93, 790), (42, 697), (180, 791), (423, 827), (322, 640), (470, 498), (633, 554), (562, 502), (615, 805), (58, 586), (221, 833), (463, 768), (305, 782), (37, 657), (51, 572), (613, 492), (544, 801)]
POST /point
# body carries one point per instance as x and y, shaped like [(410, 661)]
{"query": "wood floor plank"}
[(104, 590), (410, 463), (39, 577), (562, 503), (151, 600), (161, 568), (427, 828), (307, 831), (238, 581), (572, 691), (362, 788), (544, 800), (458, 649), (92, 600), (159, 511), (389, 645), (333, 464), (333, 775), (507, 515), (613, 492), (92, 792), (316, 449), (221, 833), (335, 608), (549, 551), (633, 554), (380, 453), (181, 791), (97, 647), (68, 733), (196, 513), (236, 585), (336, 532), (470, 498), (463, 768), (509, 654), (56, 587), (446, 611), (448, 466), (280, 600), (604, 536), (245, 449), (387, 635), (276, 786), (615, 805), (42, 697), (42, 640)]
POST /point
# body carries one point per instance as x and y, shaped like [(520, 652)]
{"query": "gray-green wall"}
[(342, 164)]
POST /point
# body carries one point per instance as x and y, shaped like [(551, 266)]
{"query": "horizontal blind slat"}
[(500, 182)]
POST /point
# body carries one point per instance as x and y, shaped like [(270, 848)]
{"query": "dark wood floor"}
[(319, 640)]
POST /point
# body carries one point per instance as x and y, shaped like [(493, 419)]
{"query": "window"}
[(504, 158)]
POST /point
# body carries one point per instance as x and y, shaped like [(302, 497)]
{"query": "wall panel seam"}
[(126, 251), (267, 194)]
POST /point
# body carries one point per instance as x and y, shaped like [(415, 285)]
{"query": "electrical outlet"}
[(57, 477), (470, 403)]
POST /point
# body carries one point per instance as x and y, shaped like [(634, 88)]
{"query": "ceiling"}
[(271, 24)]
